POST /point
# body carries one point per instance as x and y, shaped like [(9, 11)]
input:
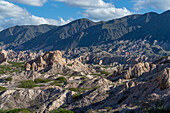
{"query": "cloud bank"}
[(11, 15), (106, 13), (31, 20), (86, 4), (10, 10), (31, 2), (97, 9), (155, 4)]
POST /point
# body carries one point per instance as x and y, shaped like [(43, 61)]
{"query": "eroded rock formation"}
[(48, 59), (137, 70)]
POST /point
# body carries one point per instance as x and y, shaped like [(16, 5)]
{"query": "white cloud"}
[(31, 2), (97, 9), (11, 15), (10, 10), (156, 4), (31, 20), (86, 3), (106, 13)]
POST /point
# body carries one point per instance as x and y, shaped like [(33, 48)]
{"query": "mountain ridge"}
[(84, 33)]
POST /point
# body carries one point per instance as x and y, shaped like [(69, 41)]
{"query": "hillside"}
[(20, 34), (71, 36)]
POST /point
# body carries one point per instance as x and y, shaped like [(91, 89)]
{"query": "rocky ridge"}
[(83, 88)]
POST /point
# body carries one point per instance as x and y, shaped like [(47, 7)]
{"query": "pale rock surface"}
[(48, 59), (45, 99), (137, 70), (164, 78), (3, 55)]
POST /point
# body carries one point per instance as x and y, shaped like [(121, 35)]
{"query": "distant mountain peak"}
[(151, 13), (166, 13), (85, 33)]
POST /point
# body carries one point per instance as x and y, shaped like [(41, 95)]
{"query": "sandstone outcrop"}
[(3, 55), (48, 59), (77, 66), (137, 70), (164, 78), (42, 99)]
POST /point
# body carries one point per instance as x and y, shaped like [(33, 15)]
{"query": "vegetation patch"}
[(69, 64), (22, 110), (76, 96), (39, 80), (108, 109), (97, 74), (106, 73), (157, 110), (27, 84), (61, 110), (13, 67), (17, 64), (56, 84), (81, 89), (61, 80), (2, 88), (8, 79)]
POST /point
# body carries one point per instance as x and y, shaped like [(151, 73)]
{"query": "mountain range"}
[(85, 33)]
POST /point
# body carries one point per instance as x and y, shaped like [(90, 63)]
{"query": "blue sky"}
[(60, 12)]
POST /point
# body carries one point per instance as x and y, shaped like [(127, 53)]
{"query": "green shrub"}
[(157, 110), (39, 80), (22, 110), (69, 64), (61, 110), (27, 84), (76, 95), (2, 88), (106, 73), (13, 67), (77, 89), (105, 67), (3, 111), (56, 84), (108, 109), (61, 80), (81, 89), (97, 74), (17, 64), (8, 79)]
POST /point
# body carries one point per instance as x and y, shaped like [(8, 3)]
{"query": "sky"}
[(60, 12)]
